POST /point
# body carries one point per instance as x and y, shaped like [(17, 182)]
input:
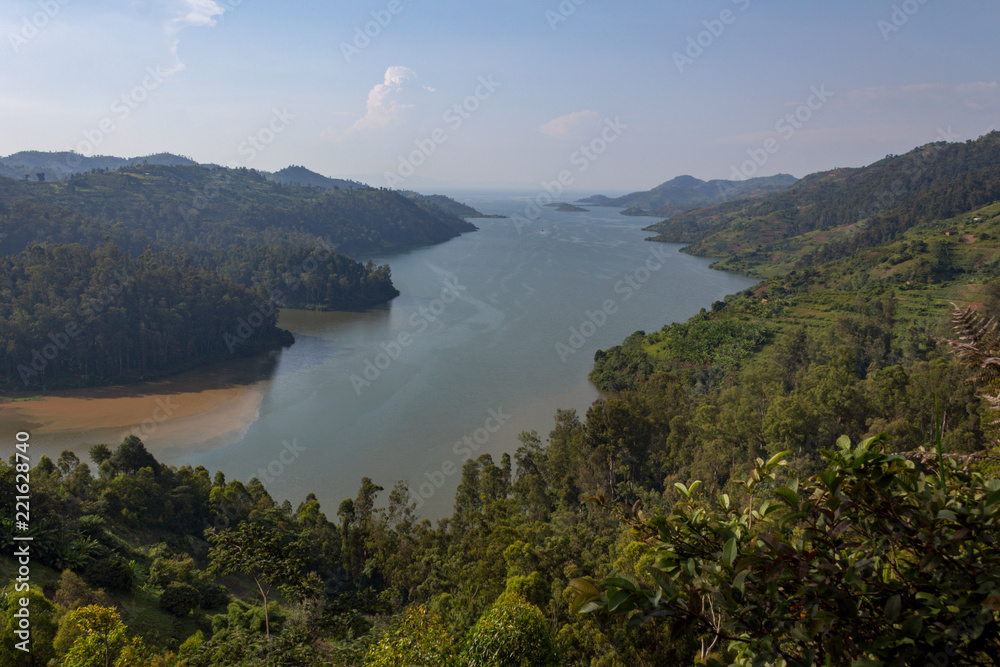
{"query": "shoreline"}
[(187, 413)]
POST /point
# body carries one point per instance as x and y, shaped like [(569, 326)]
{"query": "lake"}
[(493, 331)]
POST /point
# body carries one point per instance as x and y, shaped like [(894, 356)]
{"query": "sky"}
[(603, 96)]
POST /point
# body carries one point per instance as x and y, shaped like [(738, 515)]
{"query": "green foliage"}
[(821, 211), (512, 633), (269, 556), (978, 346), (869, 560), (116, 318), (103, 640), (112, 573), (26, 610), (420, 640), (716, 344), (179, 599)]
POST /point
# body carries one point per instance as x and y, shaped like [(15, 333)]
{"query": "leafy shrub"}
[(512, 633), (179, 599)]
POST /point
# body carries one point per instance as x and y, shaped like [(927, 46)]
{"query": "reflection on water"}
[(458, 365)]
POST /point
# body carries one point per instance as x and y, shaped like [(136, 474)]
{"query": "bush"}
[(512, 633), (111, 573), (179, 599), (214, 596)]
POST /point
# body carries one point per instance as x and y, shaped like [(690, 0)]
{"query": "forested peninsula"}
[(803, 474), (149, 269)]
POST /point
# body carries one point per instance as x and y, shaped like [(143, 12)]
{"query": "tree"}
[(42, 624), (267, 554), (179, 598), (420, 640), (512, 633), (103, 640), (870, 561), (131, 456)]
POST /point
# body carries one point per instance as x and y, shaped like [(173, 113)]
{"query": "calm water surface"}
[(479, 346)]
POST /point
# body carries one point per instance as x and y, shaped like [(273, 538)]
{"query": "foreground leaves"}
[(868, 562)]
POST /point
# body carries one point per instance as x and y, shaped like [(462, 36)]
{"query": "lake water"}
[(493, 331)]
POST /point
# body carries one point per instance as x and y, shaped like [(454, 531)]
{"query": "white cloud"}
[(189, 14), (573, 126), (389, 101)]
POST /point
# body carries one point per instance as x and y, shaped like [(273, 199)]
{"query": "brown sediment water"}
[(187, 413)]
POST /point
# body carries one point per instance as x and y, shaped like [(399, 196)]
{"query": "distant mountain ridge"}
[(61, 165), (685, 193), (301, 176), (837, 213)]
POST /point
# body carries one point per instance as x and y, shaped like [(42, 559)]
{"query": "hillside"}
[(62, 165), (684, 193), (135, 206), (257, 245), (295, 175), (448, 204), (836, 213), (771, 385)]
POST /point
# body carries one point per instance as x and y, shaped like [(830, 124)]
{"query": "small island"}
[(566, 208)]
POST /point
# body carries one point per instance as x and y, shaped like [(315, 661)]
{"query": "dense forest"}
[(213, 208), (74, 316), (206, 250), (802, 474)]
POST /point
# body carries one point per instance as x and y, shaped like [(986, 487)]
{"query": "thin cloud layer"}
[(573, 126)]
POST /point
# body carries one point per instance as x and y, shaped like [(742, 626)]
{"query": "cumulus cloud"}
[(573, 126), (389, 101)]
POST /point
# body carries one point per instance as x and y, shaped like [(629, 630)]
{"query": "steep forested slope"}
[(136, 206), (74, 316), (844, 209)]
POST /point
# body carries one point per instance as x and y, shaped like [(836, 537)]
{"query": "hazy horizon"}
[(448, 95)]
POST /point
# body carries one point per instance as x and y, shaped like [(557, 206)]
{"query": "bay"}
[(493, 331)]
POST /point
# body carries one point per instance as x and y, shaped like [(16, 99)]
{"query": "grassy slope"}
[(788, 299)]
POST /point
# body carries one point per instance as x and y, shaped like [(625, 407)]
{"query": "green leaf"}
[(729, 552), (892, 608), (774, 460), (740, 580), (790, 497), (585, 587), (617, 599)]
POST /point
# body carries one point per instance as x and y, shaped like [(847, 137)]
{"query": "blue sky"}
[(615, 96)]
